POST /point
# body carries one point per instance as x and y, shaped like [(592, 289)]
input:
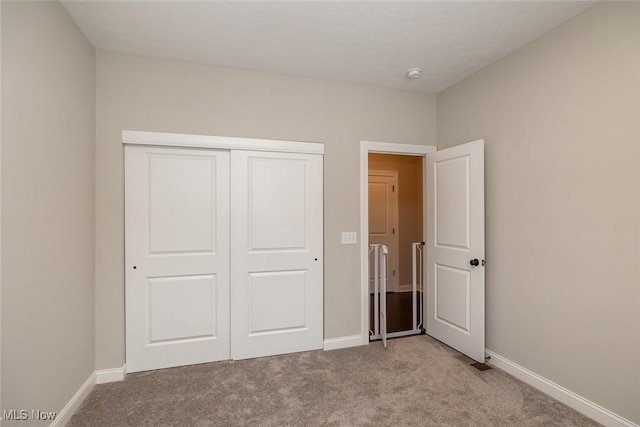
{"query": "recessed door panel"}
[(276, 201), (277, 301), (182, 308), (452, 297), (452, 203), (182, 216), (379, 219)]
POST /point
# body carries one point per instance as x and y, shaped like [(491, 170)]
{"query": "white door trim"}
[(367, 147), (219, 142)]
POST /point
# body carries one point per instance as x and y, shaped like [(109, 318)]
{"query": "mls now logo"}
[(23, 415)]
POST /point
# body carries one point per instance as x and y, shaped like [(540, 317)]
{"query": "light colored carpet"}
[(416, 381)]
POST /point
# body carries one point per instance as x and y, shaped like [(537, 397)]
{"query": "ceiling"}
[(368, 42)]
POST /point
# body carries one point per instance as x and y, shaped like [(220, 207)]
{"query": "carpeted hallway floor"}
[(416, 381)]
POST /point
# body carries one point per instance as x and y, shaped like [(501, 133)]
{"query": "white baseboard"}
[(104, 376), (70, 408), (343, 342), (569, 398)]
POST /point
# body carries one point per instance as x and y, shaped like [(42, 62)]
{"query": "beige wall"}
[(560, 120), (143, 94), (48, 134), (409, 170), (1, 406)]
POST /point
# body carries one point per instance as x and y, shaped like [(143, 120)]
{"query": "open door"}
[(454, 303)]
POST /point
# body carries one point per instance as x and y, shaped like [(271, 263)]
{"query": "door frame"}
[(219, 142), (367, 147), (396, 223)]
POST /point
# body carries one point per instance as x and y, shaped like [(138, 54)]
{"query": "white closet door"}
[(276, 263), (177, 256)]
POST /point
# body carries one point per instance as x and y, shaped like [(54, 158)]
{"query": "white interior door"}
[(455, 248), (277, 250), (383, 221), (177, 256)]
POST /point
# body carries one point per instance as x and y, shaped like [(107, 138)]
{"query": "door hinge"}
[(394, 273), (393, 230), (393, 188)]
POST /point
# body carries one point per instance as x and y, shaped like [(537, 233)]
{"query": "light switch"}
[(349, 238)]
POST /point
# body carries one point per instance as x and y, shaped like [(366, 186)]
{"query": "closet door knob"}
[(474, 262)]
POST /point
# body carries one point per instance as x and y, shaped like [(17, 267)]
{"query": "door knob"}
[(474, 262)]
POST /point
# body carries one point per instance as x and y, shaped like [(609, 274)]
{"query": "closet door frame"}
[(219, 142)]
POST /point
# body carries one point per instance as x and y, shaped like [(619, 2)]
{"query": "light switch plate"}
[(349, 238)]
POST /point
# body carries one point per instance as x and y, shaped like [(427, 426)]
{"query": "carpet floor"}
[(416, 381)]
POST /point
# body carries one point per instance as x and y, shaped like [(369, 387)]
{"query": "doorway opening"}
[(395, 190), (395, 218)]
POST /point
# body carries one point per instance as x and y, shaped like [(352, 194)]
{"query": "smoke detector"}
[(414, 73)]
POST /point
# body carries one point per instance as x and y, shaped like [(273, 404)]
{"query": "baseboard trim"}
[(104, 376), (70, 408), (405, 288), (343, 342), (569, 398)]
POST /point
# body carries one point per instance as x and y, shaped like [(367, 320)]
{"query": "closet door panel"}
[(276, 253), (177, 256)]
